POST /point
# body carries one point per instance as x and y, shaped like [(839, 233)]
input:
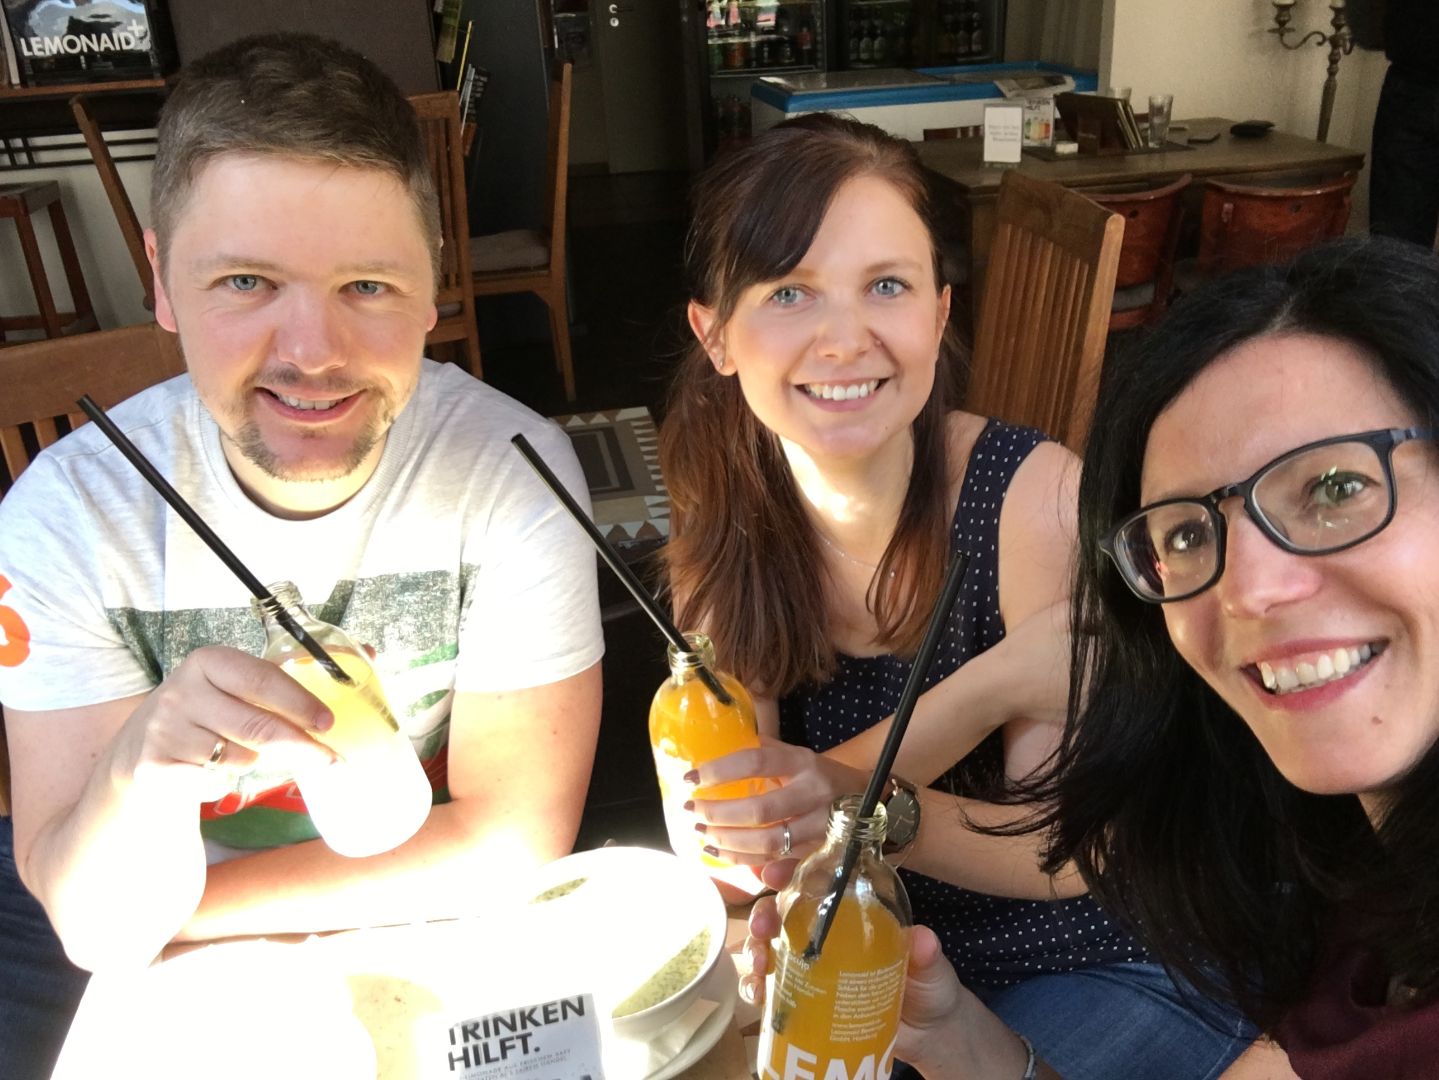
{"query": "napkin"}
[(630, 1057)]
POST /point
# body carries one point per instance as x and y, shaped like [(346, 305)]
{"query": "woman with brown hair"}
[(821, 478)]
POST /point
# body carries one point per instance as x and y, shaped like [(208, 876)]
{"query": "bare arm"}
[(1264, 1060), (106, 797), (519, 767)]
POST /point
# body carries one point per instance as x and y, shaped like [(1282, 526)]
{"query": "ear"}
[(704, 322), (164, 311), (942, 315)]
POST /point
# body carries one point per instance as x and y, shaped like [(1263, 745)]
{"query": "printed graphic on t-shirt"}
[(14, 634)]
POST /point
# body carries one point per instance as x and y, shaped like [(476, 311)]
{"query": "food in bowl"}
[(677, 973), (558, 891)]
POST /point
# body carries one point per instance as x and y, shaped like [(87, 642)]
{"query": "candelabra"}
[(1340, 44)]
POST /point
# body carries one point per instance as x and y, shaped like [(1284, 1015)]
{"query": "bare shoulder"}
[(1038, 527), (1045, 489)]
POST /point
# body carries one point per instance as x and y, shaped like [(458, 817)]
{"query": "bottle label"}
[(818, 1029)]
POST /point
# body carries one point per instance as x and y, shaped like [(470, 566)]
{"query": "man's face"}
[(302, 292)]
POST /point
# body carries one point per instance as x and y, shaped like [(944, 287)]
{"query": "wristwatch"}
[(901, 807)]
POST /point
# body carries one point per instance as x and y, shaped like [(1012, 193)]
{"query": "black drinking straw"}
[(829, 907), (615, 563), (226, 556)]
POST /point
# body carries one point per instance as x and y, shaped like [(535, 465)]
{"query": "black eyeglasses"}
[(1315, 500)]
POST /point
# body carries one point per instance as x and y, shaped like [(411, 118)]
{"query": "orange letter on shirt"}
[(14, 634)]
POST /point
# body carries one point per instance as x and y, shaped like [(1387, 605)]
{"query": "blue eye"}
[(244, 282), (786, 295), (890, 286), (369, 288)]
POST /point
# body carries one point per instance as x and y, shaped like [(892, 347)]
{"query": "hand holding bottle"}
[(217, 714), (752, 830)]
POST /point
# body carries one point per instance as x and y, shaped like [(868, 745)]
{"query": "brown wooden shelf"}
[(65, 90)]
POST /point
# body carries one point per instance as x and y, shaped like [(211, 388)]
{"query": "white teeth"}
[(1304, 675), (299, 403), (848, 392)]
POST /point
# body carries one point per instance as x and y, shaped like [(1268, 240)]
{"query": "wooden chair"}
[(130, 227), (1240, 225), (20, 203), (42, 381), (1044, 315), (439, 115), (1146, 259), (529, 260)]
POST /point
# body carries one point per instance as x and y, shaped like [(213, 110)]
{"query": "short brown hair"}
[(291, 95)]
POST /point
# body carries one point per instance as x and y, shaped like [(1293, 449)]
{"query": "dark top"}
[(1411, 39), (992, 941), (1347, 1030)]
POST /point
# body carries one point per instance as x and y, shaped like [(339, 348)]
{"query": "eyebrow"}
[(237, 262)]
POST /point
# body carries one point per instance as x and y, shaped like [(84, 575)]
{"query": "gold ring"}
[(787, 846), (216, 754)]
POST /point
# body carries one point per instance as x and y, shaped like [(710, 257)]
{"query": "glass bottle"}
[(839, 1015), (689, 726), (376, 795)]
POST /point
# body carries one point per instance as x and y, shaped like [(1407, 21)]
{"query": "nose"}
[(310, 332), (842, 333), (1258, 574)]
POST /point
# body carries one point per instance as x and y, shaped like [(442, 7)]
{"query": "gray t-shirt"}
[(454, 562)]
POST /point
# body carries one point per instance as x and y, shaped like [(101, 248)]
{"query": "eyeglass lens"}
[(1318, 500)]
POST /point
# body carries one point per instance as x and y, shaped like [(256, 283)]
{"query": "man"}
[(295, 244)]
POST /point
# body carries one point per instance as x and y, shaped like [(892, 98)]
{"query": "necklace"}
[(846, 556)]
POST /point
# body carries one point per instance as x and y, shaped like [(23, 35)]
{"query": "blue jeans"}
[(1124, 1020), (39, 987), (1404, 176)]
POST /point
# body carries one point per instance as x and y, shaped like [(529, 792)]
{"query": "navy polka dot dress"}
[(992, 941)]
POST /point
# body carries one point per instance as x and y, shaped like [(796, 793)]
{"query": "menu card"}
[(557, 1039)]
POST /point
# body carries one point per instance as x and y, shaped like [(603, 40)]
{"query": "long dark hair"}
[(1176, 817), (743, 558)]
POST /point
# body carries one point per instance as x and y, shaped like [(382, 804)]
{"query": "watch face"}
[(902, 811)]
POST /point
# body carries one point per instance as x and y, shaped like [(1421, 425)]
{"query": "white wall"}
[(110, 277), (1218, 59)]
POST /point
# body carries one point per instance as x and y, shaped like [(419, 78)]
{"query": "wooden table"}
[(959, 165), (340, 1006)]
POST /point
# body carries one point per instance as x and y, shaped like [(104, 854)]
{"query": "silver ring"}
[(216, 754), (787, 846)]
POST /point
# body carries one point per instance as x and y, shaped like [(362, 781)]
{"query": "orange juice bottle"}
[(837, 1017), (690, 725)]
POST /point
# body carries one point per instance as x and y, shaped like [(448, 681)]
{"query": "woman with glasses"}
[(1254, 781)]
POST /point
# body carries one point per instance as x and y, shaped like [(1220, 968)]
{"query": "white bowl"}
[(635, 910)]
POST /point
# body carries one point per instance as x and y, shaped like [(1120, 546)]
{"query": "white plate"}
[(720, 986)]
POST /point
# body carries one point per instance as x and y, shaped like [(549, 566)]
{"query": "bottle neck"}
[(845, 823), (683, 665), (284, 596)]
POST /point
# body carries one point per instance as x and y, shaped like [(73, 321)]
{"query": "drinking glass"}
[(1161, 106)]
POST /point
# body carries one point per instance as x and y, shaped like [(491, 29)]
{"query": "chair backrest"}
[(1151, 230), (439, 115), (1245, 226), (130, 227), (43, 380), (558, 158), (1044, 316)]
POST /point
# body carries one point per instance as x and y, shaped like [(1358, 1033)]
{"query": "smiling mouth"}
[(1279, 677), (843, 391), (308, 404)]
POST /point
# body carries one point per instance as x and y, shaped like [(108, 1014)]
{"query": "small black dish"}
[(1252, 129)]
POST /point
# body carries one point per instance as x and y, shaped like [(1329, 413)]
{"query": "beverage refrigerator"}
[(731, 43)]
